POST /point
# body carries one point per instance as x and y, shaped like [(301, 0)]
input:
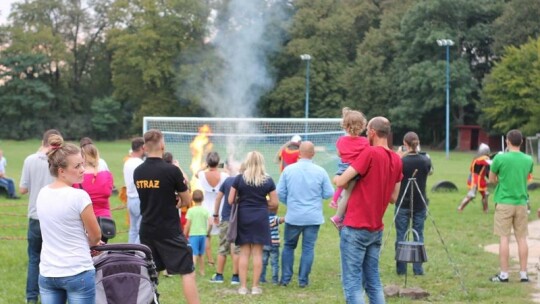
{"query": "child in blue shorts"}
[(197, 227)]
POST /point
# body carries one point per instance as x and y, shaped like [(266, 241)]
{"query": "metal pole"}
[(447, 101), (307, 99)]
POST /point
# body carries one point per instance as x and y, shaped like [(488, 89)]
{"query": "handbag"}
[(232, 233), (107, 226)]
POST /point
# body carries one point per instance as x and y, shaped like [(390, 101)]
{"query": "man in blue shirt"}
[(302, 188)]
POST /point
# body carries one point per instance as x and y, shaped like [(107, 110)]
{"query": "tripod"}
[(411, 185)]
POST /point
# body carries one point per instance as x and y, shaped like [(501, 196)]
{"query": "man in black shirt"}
[(158, 183)]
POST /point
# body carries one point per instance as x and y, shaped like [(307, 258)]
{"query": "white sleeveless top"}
[(210, 194)]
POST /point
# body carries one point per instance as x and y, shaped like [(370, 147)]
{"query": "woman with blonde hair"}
[(97, 183), (69, 227), (250, 191)]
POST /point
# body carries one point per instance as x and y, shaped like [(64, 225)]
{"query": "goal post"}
[(233, 138)]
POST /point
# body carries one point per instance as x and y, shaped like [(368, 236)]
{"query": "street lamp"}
[(307, 59), (447, 43)]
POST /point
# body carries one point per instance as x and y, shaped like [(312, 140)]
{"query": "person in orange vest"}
[(289, 152), (477, 180)]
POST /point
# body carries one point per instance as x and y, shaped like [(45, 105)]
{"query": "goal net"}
[(532, 147), (189, 139)]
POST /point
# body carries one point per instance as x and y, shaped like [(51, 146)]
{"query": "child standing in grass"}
[(272, 252), (348, 148), (197, 227)]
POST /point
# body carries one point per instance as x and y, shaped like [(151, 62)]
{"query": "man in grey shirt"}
[(35, 175)]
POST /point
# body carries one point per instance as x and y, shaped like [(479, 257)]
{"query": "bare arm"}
[(187, 227), (91, 225), (232, 196), (273, 201), (493, 178), (343, 179), (217, 204), (395, 193), (185, 199)]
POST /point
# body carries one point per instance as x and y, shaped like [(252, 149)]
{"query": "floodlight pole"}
[(447, 43), (307, 59)]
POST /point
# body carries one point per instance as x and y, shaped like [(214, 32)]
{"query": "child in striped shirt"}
[(272, 251)]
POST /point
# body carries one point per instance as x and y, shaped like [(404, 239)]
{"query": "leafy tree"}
[(66, 33), (329, 31), (510, 95), (419, 64), (145, 41), (518, 22), (106, 118), (25, 96)]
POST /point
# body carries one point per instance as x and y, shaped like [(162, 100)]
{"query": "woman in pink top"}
[(98, 184)]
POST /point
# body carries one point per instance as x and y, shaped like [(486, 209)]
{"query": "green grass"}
[(465, 235)]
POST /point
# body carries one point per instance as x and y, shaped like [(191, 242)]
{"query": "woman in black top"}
[(415, 210)]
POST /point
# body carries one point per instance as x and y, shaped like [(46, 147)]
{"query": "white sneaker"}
[(256, 291), (242, 291)]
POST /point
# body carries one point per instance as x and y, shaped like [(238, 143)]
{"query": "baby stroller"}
[(125, 274)]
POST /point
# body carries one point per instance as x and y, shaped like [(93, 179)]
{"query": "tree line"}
[(96, 67)]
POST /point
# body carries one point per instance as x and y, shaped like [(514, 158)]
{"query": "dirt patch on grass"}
[(534, 254)]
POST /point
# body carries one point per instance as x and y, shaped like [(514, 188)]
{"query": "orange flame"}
[(199, 146)]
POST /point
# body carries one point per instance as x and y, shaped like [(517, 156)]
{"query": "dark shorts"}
[(173, 254)]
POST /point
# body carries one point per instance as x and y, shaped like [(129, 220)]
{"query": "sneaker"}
[(256, 291), (497, 278), (524, 280), (14, 197), (217, 278), (337, 221), (242, 291), (235, 280)]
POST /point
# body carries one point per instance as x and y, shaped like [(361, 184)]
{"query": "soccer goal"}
[(189, 139), (532, 147)]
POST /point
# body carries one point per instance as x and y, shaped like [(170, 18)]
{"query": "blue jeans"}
[(402, 224), (34, 251), (360, 265), (134, 207), (9, 185), (291, 236), (272, 253), (76, 289)]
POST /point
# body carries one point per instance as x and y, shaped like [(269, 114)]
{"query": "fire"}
[(199, 147)]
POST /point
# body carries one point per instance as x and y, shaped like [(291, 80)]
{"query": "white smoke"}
[(243, 38)]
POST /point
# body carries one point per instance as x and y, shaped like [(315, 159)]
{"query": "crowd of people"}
[(70, 186)]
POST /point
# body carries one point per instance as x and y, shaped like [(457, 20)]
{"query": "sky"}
[(5, 7)]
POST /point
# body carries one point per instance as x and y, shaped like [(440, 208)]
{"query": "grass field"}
[(465, 235)]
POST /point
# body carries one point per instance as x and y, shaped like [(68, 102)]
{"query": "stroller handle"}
[(124, 246)]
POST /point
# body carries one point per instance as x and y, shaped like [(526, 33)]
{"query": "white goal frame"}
[(234, 137)]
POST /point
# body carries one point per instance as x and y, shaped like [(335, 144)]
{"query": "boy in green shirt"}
[(197, 227), (509, 171)]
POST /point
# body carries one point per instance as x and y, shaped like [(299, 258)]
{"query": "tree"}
[(25, 96), (510, 95), (413, 65), (145, 42), (329, 31), (66, 33), (518, 22)]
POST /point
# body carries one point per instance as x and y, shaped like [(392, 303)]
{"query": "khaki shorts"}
[(511, 216), (224, 245)]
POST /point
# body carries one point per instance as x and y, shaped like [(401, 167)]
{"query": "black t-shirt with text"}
[(156, 182)]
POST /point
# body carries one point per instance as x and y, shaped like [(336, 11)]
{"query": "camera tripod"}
[(411, 185)]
